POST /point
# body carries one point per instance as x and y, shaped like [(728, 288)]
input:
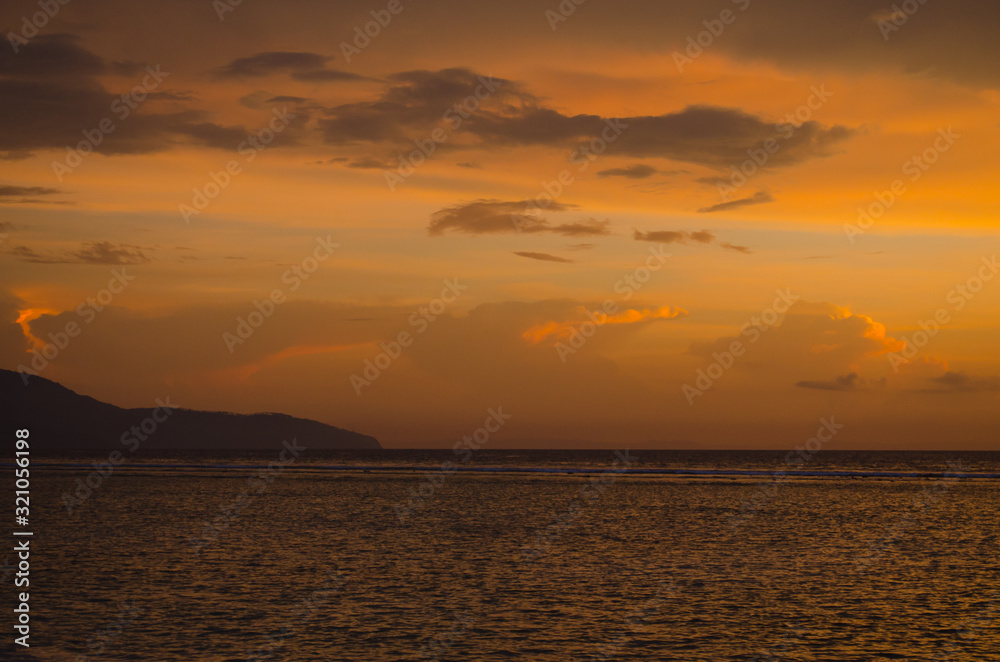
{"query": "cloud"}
[(414, 103), (52, 56), (849, 382), (952, 40), (638, 171), (556, 330), (59, 94), (13, 343), (733, 247), (299, 65), (580, 247), (7, 191), (812, 338), (959, 382), (366, 163), (270, 62), (588, 227), (545, 257), (683, 237), (674, 236), (758, 198), (487, 216), (106, 252), (91, 252), (14, 195), (706, 135)]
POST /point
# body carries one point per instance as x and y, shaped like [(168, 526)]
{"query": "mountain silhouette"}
[(61, 420)]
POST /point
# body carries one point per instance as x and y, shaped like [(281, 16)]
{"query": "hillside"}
[(62, 420)]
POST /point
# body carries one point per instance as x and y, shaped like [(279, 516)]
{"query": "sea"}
[(511, 555)]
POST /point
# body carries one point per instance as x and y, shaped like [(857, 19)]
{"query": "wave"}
[(418, 468)]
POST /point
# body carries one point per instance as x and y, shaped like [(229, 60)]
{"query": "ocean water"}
[(201, 557)]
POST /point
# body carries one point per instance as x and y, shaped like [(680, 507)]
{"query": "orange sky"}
[(266, 157)]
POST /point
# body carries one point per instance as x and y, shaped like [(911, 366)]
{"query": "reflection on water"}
[(319, 567)]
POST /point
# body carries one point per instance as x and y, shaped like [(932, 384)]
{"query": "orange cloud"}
[(864, 326), (24, 321), (550, 329)]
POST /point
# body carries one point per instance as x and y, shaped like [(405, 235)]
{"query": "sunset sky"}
[(593, 165)]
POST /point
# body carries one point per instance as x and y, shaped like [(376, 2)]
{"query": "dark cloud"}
[(91, 252), (947, 40), (674, 236), (287, 99), (758, 198), (8, 191), (299, 65), (952, 40), (589, 227), (580, 247), (373, 164), (959, 382), (733, 247), (327, 75), (499, 216), (106, 252), (414, 103), (52, 56), (270, 62), (59, 95), (15, 195), (545, 257), (684, 237), (706, 135), (849, 382), (637, 171)]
